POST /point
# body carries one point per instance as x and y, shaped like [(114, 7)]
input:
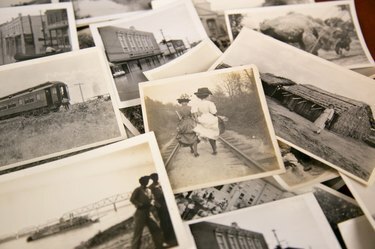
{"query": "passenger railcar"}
[(36, 100)]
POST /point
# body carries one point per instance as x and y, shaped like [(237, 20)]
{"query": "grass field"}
[(24, 138)]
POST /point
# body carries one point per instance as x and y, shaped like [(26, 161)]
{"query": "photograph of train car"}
[(51, 103), (209, 133), (43, 98)]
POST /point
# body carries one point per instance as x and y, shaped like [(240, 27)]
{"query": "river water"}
[(72, 238)]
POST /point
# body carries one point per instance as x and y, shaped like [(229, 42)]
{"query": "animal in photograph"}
[(144, 42), (328, 30), (30, 32), (112, 208), (301, 169), (317, 103), (287, 223), (205, 202), (212, 128), (84, 9), (52, 108)]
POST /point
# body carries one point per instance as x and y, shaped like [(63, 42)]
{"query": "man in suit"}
[(142, 199)]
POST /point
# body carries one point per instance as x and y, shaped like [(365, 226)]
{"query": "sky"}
[(168, 91), (49, 194), (298, 221), (72, 70), (177, 23), (272, 56), (254, 17), (9, 13)]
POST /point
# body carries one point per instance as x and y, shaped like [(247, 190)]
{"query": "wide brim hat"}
[(203, 91)]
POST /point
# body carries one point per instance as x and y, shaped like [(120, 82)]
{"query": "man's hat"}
[(203, 91), (144, 180)]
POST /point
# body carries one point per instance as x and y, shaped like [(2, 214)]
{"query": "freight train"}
[(37, 100)]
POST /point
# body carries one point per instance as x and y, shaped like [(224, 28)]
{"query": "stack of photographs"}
[(205, 124)]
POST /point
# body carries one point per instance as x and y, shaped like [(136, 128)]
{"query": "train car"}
[(43, 98)]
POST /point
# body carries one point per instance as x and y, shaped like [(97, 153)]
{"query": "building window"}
[(241, 196), (123, 42), (250, 242), (242, 241), (131, 41), (233, 242), (257, 243), (230, 187), (221, 241)]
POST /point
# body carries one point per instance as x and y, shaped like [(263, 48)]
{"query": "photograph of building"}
[(146, 41), (14, 3), (316, 103), (289, 223), (205, 202), (32, 33)]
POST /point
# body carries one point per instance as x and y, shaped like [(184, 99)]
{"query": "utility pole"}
[(80, 89), (277, 239), (166, 43)]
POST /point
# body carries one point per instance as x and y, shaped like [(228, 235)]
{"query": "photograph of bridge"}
[(245, 150), (106, 210), (329, 30), (297, 96)]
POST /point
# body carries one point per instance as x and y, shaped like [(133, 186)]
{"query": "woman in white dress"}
[(204, 112), (324, 118)]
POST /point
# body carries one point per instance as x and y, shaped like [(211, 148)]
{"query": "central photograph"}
[(212, 128)]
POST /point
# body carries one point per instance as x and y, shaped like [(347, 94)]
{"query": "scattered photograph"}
[(146, 41), (329, 30), (85, 39), (357, 233), (212, 128), (15, 3), (211, 13), (199, 59), (91, 11), (364, 196), (30, 32), (313, 108), (56, 105), (301, 169), (296, 222), (336, 207), (134, 119), (93, 200), (205, 202)]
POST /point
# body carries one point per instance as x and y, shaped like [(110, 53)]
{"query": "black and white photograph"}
[(301, 169), (329, 30), (199, 59), (364, 196), (337, 208), (205, 202), (15, 3), (314, 107), (144, 42), (296, 222), (93, 200), (211, 13), (87, 12), (30, 32), (56, 105), (357, 233), (212, 128)]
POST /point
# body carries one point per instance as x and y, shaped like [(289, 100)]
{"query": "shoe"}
[(196, 154), (214, 153)]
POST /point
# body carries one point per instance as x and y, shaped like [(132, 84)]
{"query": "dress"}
[(327, 114), (185, 133), (207, 122)]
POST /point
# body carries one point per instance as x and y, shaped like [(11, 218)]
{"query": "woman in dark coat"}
[(185, 134)]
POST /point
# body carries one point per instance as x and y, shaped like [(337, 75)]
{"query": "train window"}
[(4, 107), (54, 91), (20, 102), (12, 105), (29, 100), (38, 96)]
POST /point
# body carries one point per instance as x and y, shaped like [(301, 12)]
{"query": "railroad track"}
[(236, 152)]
